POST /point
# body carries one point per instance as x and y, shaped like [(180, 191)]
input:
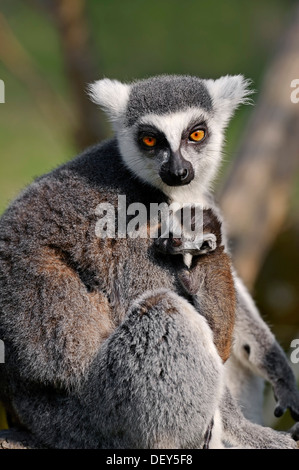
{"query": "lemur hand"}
[(286, 397)]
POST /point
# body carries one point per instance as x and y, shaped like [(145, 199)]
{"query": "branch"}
[(70, 19)]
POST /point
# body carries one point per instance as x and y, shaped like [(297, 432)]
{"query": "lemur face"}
[(175, 145), (170, 128)]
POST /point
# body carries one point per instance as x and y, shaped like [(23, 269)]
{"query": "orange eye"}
[(197, 136), (149, 141)]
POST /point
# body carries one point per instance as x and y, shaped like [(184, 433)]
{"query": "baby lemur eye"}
[(149, 141), (197, 135)]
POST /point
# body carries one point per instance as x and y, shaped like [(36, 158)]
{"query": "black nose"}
[(177, 171)]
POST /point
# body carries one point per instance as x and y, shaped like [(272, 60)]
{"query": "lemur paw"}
[(286, 398)]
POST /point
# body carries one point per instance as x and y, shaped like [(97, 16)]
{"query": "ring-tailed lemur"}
[(102, 349)]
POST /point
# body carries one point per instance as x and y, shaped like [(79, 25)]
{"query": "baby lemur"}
[(208, 282)]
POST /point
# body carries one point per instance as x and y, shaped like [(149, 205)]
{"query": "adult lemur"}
[(102, 348)]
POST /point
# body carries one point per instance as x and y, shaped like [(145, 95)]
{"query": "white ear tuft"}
[(228, 93), (111, 95)]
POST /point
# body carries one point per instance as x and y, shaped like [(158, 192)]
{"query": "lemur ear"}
[(228, 93), (111, 95)]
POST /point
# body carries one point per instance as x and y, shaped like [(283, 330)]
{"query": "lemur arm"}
[(265, 358), (238, 431), (256, 347)]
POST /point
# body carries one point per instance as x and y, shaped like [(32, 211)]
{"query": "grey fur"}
[(165, 94), (59, 302), (96, 354), (124, 400), (265, 357), (242, 433)]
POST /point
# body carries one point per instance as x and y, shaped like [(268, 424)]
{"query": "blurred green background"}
[(132, 39)]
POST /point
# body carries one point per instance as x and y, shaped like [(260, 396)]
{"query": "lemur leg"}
[(155, 383), (256, 348), (242, 433), (161, 376)]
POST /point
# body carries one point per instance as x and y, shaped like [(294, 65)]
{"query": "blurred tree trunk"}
[(22, 65), (69, 16), (255, 196), (82, 116)]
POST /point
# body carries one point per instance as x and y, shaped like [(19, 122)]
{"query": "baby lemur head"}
[(193, 240), (170, 128)]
